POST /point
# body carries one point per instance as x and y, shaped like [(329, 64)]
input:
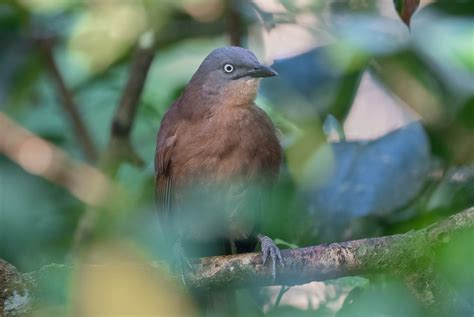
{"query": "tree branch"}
[(394, 254), (402, 255), (39, 157), (68, 103), (120, 147)]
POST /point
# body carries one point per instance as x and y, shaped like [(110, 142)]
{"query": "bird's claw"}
[(270, 249)]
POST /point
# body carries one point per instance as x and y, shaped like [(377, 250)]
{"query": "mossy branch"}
[(408, 256)]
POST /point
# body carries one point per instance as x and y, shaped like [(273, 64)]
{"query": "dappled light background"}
[(375, 115)]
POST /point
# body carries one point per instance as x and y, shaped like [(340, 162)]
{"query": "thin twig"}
[(235, 23), (68, 103), (120, 147), (178, 30), (283, 290)]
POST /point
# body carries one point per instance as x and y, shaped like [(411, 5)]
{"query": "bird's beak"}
[(262, 71)]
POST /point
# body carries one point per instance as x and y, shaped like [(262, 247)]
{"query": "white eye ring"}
[(228, 68)]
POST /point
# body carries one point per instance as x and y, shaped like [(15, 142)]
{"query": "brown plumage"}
[(215, 141)]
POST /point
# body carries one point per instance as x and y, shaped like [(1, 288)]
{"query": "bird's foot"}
[(270, 249), (181, 262)]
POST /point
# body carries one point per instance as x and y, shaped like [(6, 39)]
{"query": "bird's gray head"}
[(233, 72)]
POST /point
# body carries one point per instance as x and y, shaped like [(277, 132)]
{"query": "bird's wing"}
[(163, 179), (164, 150)]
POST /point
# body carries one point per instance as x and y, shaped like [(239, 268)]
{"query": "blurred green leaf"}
[(36, 219), (382, 297), (455, 262), (466, 115), (285, 244), (455, 191), (454, 7)]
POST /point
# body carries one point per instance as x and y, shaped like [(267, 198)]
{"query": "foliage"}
[(328, 191)]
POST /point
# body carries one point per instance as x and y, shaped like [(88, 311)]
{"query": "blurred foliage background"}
[(375, 108)]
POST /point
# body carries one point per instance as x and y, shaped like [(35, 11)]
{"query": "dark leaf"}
[(372, 178), (406, 8), (454, 7)]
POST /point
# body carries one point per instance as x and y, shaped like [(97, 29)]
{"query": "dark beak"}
[(262, 71)]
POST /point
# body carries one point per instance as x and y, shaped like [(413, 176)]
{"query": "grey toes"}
[(270, 249)]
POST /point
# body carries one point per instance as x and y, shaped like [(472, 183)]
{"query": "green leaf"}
[(286, 244)]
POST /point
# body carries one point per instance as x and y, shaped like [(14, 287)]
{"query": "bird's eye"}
[(228, 68)]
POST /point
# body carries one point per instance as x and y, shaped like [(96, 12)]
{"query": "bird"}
[(217, 153)]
